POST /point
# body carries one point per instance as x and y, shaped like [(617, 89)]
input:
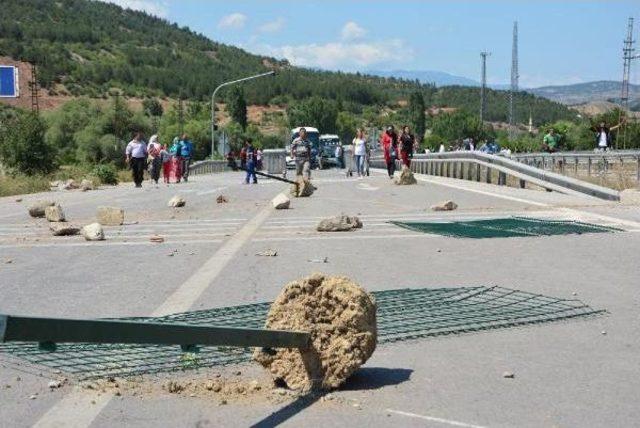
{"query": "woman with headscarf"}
[(176, 160), (153, 149)]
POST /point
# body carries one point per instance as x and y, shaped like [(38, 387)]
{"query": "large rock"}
[(281, 202), (86, 185), (69, 184), (110, 216), (64, 229), (445, 206), (176, 202), (630, 196), (342, 223), (302, 188), (406, 177), (38, 207), (54, 213), (341, 319), (93, 232)]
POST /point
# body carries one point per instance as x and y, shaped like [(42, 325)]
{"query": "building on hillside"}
[(14, 82)]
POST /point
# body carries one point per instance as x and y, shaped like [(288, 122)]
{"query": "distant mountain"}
[(440, 78), (581, 93)]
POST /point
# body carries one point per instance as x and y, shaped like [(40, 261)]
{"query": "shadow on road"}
[(367, 378)]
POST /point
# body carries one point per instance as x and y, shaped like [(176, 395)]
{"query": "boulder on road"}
[(445, 206), (176, 202), (93, 232), (281, 202), (406, 177), (64, 229), (54, 213), (37, 208), (86, 185), (110, 216), (341, 223), (302, 188)]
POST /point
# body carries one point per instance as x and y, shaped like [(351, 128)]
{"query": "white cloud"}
[(234, 21), (341, 55), (152, 7), (272, 26), (352, 31)]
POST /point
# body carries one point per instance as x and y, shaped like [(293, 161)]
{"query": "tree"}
[(152, 107), (237, 106), (315, 111), (346, 124), (23, 146), (416, 115)]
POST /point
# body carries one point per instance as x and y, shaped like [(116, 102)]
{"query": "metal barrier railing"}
[(480, 167), (207, 167)]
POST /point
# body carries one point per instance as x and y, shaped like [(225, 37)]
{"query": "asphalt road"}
[(567, 374)]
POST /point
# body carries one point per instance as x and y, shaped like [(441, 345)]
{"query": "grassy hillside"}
[(94, 48)]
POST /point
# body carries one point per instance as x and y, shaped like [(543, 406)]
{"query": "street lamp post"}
[(213, 102)]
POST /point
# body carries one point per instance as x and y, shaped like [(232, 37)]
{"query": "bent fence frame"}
[(475, 165)]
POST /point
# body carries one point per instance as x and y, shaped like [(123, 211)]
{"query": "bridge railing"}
[(207, 167), (480, 167), (587, 162)]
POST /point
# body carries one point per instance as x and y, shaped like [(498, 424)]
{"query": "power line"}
[(627, 55)]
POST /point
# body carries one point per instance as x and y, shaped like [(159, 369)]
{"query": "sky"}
[(560, 42)]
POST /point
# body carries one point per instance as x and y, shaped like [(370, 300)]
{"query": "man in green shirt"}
[(551, 141)]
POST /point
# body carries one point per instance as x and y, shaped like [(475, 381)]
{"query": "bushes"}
[(106, 173), (22, 145)]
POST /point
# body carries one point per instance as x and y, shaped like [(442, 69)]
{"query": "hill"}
[(580, 93), (97, 49), (438, 78)]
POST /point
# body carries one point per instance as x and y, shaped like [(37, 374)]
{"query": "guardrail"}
[(593, 162), (480, 166), (207, 167)]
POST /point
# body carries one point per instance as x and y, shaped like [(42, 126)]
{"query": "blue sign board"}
[(8, 87)]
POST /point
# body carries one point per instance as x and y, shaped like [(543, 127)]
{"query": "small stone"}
[(118, 394), (445, 206), (33, 397), (357, 406), (237, 373), (209, 386), (8, 261), (281, 391), (240, 389), (93, 401), (110, 216), (18, 378), (217, 387), (18, 199), (157, 239), (255, 386), (603, 332), (223, 402), (267, 253), (192, 395), (93, 232), (575, 293), (222, 199), (217, 375), (329, 397), (177, 202), (508, 375), (54, 384)]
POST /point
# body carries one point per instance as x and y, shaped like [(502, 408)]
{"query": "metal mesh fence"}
[(404, 314), (505, 227)]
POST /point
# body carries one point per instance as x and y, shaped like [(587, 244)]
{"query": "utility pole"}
[(33, 86), (483, 86), (514, 81), (627, 56)]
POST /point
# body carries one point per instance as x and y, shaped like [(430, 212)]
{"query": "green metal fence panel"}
[(403, 314), (504, 227)]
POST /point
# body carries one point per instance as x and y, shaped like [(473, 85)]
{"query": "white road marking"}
[(435, 419), (208, 192), (344, 235), (110, 243), (75, 410)]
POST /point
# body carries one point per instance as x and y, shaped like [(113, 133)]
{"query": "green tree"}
[(237, 106), (315, 111), (346, 124), (23, 147), (417, 117), (152, 107)]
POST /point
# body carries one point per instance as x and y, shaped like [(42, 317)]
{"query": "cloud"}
[(152, 7), (234, 21), (352, 31), (272, 26), (341, 55)]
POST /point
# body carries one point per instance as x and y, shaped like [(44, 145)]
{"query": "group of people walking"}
[(173, 161), (398, 146)]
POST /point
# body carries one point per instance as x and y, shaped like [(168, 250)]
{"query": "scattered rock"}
[(237, 373), (18, 199), (406, 177), (86, 185), (281, 202), (267, 253), (325, 260), (33, 397), (64, 229), (174, 387), (110, 216), (177, 202), (54, 384), (38, 207), (508, 375), (603, 332), (54, 213), (445, 206), (8, 261), (222, 199), (340, 223), (341, 318), (302, 188), (69, 184), (157, 239), (93, 232), (223, 402), (255, 385)]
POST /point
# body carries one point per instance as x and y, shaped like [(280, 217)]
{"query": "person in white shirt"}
[(603, 135), (136, 157), (359, 151)]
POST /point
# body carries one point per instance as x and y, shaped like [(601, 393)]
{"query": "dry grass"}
[(20, 184)]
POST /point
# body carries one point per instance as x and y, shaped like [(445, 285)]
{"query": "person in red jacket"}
[(389, 142)]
